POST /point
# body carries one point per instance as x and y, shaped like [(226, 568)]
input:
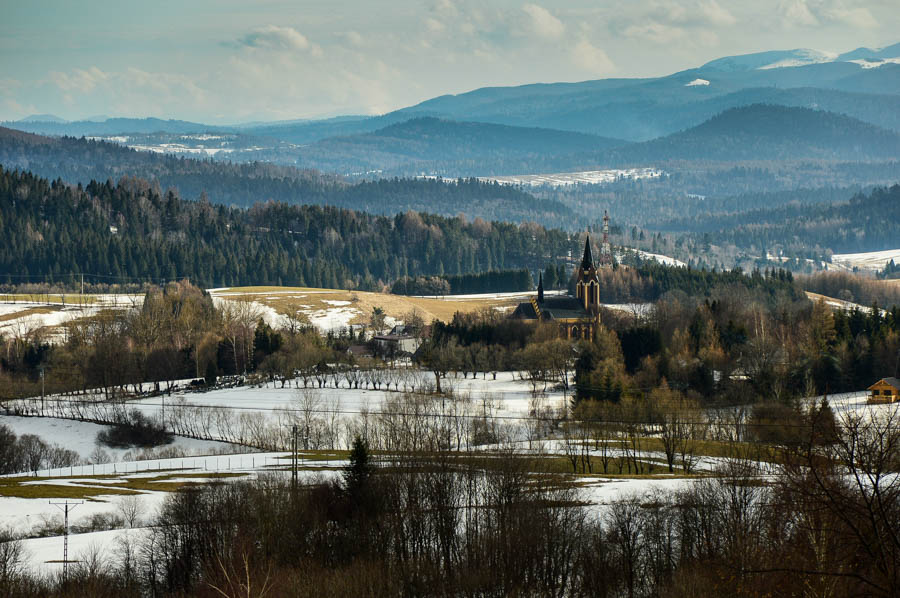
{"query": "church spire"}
[(587, 262), (540, 287)]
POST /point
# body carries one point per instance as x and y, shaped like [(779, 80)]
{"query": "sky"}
[(228, 61)]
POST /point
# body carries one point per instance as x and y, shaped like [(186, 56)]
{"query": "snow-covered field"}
[(855, 403), (509, 396), (21, 315), (840, 303), (871, 260), (43, 556), (81, 437), (662, 259), (565, 179)]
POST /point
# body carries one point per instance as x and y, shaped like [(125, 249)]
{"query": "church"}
[(578, 316)]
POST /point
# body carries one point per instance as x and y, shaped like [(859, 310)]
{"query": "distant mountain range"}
[(632, 109), (778, 105)]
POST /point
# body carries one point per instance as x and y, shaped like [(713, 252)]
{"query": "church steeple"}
[(587, 262), (587, 289), (540, 287)]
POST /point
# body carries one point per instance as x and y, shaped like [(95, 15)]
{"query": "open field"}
[(24, 313), (870, 260), (330, 309), (80, 437)]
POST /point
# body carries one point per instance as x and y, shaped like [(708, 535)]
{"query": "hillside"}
[(447, 147), (50, 231), (242, 185), (769, 132), (50, 125), (865, 222), (642, 109)]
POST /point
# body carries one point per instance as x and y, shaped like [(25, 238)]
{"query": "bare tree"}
[(131, 507)]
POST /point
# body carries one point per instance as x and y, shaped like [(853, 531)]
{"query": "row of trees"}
[(30, 453), (492, 281)]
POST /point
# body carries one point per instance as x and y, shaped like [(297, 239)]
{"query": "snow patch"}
[(874, 64), (697, 83), (566, 179), (80, 437), (870, 260)]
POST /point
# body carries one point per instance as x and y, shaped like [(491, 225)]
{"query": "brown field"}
[(54, 298), (285, 299), (31, 311)]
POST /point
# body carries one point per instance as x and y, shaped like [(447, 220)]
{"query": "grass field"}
[(50, 298), (90, 487), (313, 302)]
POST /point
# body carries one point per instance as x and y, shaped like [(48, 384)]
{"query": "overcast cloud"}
[(234, 61)]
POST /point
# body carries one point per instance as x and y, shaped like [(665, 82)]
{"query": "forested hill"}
[(768, 132), (864, 223), (82, 160), (433, 145), (51, 230)]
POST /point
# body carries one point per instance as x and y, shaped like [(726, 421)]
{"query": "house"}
[(886, 390), (401, 340)]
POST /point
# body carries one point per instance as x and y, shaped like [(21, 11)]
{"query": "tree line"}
[(128, 232), (79, 161), (492, 281)]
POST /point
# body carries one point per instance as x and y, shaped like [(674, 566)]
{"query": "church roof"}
[(563, 308), (587, 261), (553, 308)]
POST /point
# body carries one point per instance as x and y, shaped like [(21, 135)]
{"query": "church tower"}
[(587, 289)]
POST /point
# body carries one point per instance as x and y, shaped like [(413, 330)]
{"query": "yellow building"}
[(886, 390)]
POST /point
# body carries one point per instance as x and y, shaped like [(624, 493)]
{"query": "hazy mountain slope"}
[(112, 126), (870, 54), (80, 161), (768, 132), (642, 109), (431, 144), (865, 222)]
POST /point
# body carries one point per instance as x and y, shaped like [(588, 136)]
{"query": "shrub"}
[(134, 429)]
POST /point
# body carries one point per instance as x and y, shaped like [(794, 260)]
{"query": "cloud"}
[(274, 37), (80, 80), (354, 38), (542, 23), (714, 14), (658, 33), (796, 12), (859, 17), (8, 84), (433, 25), (591, 58), (813, 13)]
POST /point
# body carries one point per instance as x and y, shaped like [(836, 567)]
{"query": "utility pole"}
[(294, 459), (65, 507), (42, 390)]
